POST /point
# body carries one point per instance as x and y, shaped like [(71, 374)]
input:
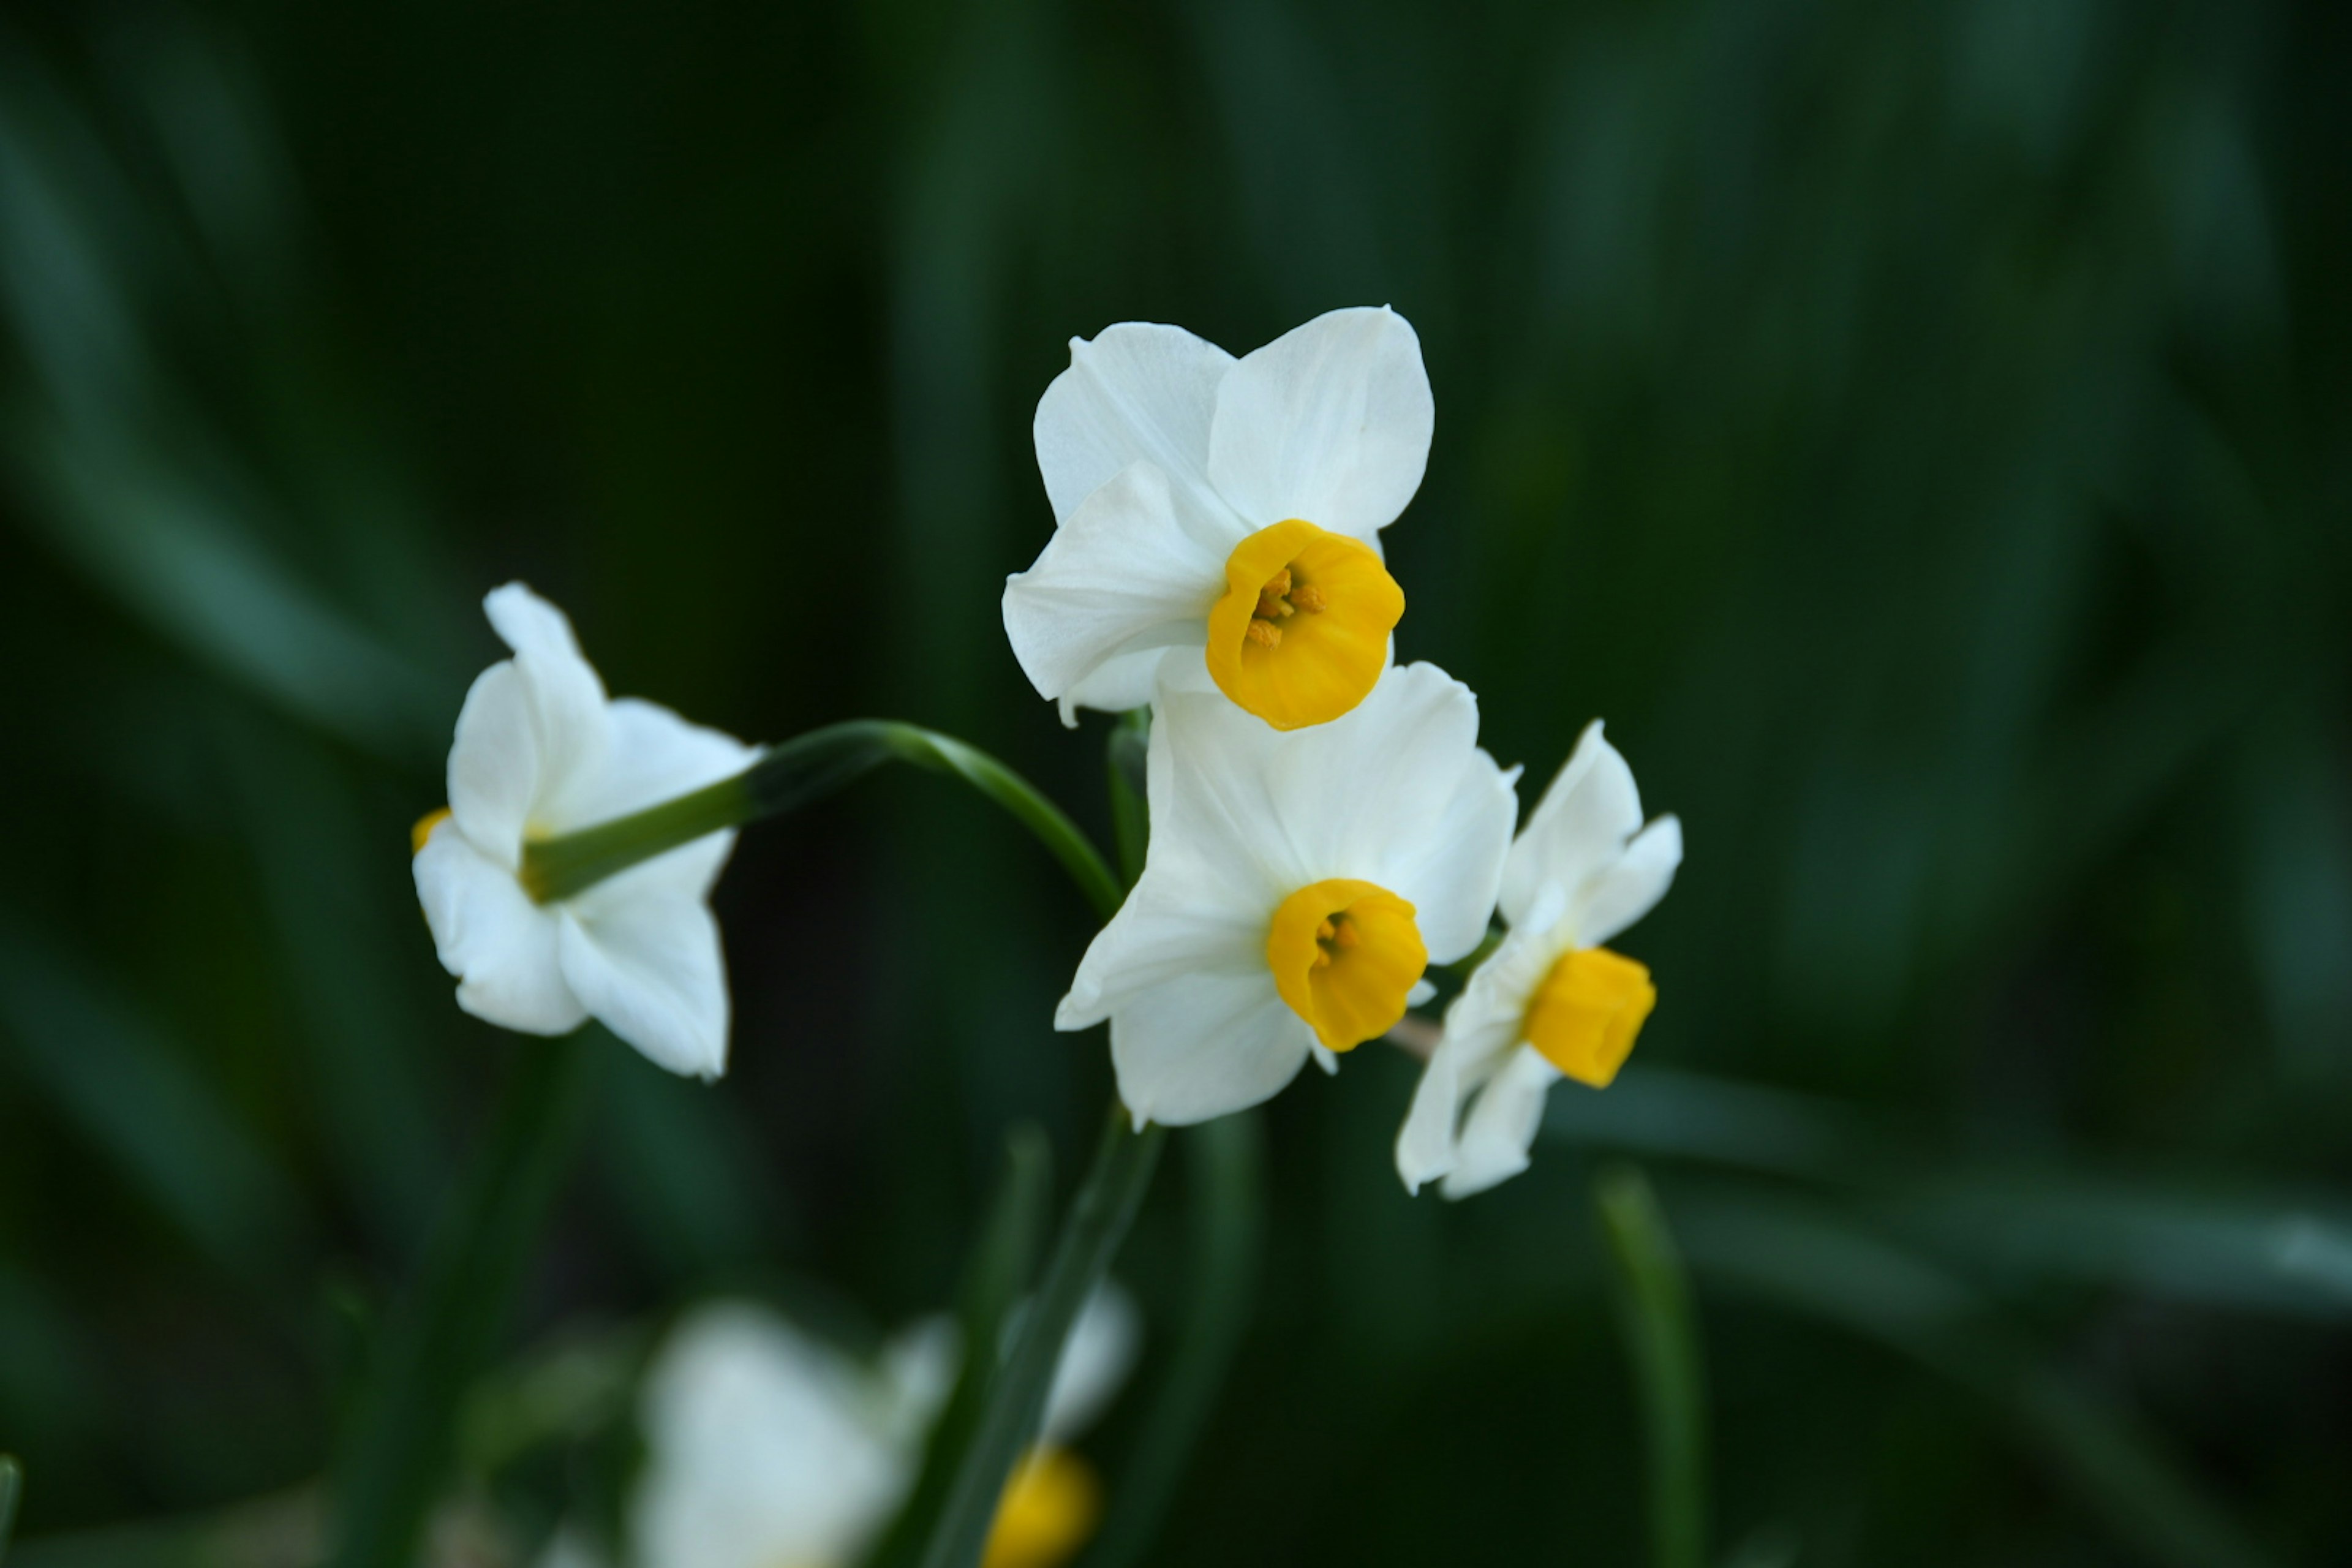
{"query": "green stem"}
[(1655, 1315), (1130, 811), (396, 1458), (1097, 1222), (1000, 1270), (12, 1486), (1226, 1168), (792, 775)]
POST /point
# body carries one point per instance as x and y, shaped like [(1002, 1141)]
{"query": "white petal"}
[(1425, 1145), (648, 967), (1502, 1125), (1095, 1361), (656, 756), (1168, 928), (501, 946), (1120, 683), (1119, 577), (1204, 1045), (1330, 422), (567, 698), (1138, 391), (1629, 888), (1581, 823), (918, 1374), (760, 1448), (494, 764)]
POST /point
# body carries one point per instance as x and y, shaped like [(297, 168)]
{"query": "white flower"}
[(1551, 1001), (1294, 889), (541, 751), (766, 1447), (1233, 505)]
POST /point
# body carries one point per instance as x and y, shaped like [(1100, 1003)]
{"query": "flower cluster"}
[(1324, 824)]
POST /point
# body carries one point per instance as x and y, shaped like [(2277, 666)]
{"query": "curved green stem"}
[(792, 774), (12, 1483), (1098, 1220)]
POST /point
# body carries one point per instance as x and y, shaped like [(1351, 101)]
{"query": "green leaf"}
[(1001, 1267), (12, 1486), (1227, 1160), (1654, 1316), (1097, 1222)]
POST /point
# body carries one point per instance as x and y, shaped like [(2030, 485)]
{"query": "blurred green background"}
[(1921, 431)]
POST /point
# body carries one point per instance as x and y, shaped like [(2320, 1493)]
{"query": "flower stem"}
[(396, 1456), (1654, 1313), (1097, 1222), (1225, 1159), (794, 773)]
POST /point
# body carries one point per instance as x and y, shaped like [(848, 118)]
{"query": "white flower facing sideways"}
[(1232, 506), (766, 1447), (1294, 889), (541, 751), (1551, 1001)]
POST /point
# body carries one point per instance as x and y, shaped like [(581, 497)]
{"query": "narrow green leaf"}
[(1810, 1261), (1097, 1222), (1002, 1265), (1661, 1333), (398, 1452), (1226, 1159), (1130, 810)]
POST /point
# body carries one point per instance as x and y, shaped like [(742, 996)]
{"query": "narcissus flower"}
[(1229, 505), (541, 751), (1294, 889), (764, 1446), (1551, 1001)]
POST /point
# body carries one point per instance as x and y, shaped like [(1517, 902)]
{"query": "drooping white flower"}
[(541, 750), (1551, 1001), (1229, 505), (1295, 889), (765, 1446)]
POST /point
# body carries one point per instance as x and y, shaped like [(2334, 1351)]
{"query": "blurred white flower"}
[(766, 1447), (1550, 1000), (541, 751), (1236, 505), (1294, 889)]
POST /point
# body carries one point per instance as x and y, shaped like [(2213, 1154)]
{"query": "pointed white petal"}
[(1095, 1361), (1205, 1045), (1502, 1125), (1424, 1144), (760, 1448), (567, 698), (1139, 390), (1119, 577), (656, 756), (494, 764), (1329, 422), (1120, 682), (1581, 823), (650, 969), (1624, 891), (918, 1374), (487, 932), (1168, 928)]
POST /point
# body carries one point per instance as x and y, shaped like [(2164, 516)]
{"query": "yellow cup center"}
[(1585, 1015), (1344, 955), (1049, 1508), (1302, 631)]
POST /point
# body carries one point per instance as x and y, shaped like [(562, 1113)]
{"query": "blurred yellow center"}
[(1344, 955), (1303, 630), (424, 829), (1586, 1013), (1050, 1506)]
